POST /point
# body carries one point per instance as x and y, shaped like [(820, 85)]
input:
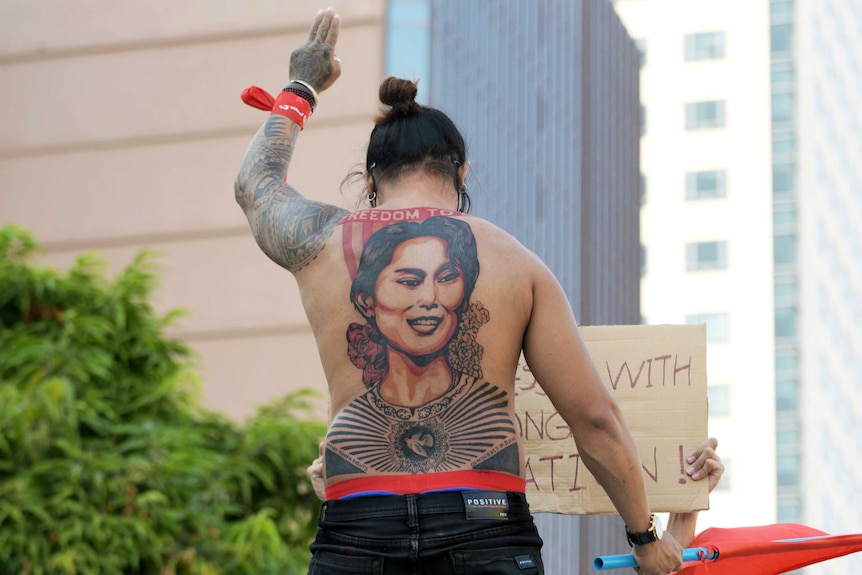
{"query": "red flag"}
[(768, 550)]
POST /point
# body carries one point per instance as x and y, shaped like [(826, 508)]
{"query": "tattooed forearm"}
[(290, 229), (266, 160)]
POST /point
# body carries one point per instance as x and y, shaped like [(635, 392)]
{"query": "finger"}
[(332, 33), (707, 464), (714, 467), (711, 443), (715, 475), (325, 24), (312, 34)]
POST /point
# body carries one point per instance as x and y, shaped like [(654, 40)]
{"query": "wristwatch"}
[(654, 533)]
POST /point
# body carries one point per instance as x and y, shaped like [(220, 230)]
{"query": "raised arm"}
[(558, 358), (289, 228)]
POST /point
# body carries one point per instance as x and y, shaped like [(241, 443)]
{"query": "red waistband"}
[(404, 484)]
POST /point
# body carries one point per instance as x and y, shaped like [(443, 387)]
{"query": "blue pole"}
[(623, 561)]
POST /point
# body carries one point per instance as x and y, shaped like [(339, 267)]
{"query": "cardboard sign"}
[(657, 374)]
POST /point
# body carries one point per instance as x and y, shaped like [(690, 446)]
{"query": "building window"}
[(718, 399), (704, 46), (784, 216), (717, 328), (786, 364), (788, 470), (785, 289), (786, 395), (780, 8), (782, 108), (784, 249), (704, 115), (783, 178), (705, 185), (781, 38), (702, 256), (408, 42), (783, 146), (782, 77), (785, 322), (787, 437)]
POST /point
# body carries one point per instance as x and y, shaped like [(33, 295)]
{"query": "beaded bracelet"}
[(302, 93), (299, 84)]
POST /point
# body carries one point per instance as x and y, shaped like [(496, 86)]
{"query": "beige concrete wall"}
[(121, 128)]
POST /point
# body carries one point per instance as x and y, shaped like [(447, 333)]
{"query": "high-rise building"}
[(750, 158)]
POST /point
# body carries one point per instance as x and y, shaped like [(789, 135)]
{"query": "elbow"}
[(602, 422)]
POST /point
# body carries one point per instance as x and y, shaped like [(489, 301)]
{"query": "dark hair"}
[(380, 247), (410, 136)]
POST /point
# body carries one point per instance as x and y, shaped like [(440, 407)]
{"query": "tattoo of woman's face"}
[(413, 285)]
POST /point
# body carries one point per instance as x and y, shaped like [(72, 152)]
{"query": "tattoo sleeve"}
[(289, 228)]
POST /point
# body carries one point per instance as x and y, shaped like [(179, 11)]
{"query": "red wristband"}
[(292, 106)]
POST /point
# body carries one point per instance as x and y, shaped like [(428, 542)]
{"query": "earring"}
[(462, 198), (372, 192)]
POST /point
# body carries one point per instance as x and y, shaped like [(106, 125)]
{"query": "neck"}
[(418, 189), (409, 385)]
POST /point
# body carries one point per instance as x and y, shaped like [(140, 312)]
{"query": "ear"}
[(462, 174), (365, 304), (369, 183)]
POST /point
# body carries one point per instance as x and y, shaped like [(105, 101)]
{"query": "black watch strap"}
[(640, 538), (648, 536)]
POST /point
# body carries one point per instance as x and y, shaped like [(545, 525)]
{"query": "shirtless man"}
[(420, 312)]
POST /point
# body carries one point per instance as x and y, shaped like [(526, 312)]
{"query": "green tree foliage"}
[(107, 464)]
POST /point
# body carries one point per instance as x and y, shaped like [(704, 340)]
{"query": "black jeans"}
[(453, 533)]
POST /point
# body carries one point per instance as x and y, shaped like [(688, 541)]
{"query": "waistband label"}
[(486, 504)]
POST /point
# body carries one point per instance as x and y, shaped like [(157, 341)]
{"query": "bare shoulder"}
[(506, 247), (504, 251), (291, 230)]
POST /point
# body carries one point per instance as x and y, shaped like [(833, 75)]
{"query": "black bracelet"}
[(302, 90)]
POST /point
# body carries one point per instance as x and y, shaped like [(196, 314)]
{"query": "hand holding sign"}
[(657, 374)]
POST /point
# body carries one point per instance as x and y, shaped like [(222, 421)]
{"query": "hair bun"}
[(400, 96)]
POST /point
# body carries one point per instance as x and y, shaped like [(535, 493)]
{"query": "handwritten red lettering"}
[(551, 459), (654, 474), (633, 381), (626, 373), (686, 368), (540, 428), (562, 427), (531, 477), (575, 486)]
